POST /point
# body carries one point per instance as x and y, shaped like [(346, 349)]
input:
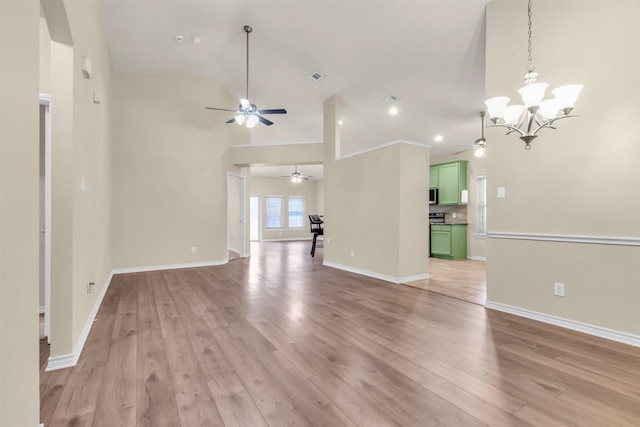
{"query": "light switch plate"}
[(501, 193)]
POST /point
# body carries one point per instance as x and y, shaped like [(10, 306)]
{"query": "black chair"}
[(315, 226)]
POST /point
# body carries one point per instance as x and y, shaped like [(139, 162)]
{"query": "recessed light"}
[(196, 40), (438, 138), (393, 111)]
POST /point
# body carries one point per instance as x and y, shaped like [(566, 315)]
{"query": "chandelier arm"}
[(511, 129), (549, 123)]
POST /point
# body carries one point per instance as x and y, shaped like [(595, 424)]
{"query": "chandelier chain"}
[(530, 50)]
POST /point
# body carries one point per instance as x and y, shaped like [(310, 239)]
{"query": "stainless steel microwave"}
[(433, 196)]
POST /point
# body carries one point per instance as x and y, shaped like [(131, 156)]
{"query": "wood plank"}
[(234, 402), (195, 404), (116, 404), (77, 405), (155, 397)]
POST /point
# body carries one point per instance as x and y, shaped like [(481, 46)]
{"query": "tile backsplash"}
[(459, 210)]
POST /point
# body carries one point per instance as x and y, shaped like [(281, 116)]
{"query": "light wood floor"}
[(280, 340), (462, 279)]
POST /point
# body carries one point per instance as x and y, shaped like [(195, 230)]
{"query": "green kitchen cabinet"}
[(449, 241), (451, 180), (433, 176)]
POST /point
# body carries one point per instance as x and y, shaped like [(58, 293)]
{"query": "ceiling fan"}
[(296, 176), (247, 112), (479, 146)]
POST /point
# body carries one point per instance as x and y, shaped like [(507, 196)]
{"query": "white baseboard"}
[(384, 277), (478, 258), (288, 239), (597, 331), (169, 266)]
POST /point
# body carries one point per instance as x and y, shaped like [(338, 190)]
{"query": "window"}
[(274, 211), (296, 212), (482, 205)]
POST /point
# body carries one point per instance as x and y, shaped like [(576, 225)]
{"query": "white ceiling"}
[(427, 53)]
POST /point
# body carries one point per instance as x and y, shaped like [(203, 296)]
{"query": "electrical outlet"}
[(91, 287), (558, 289), (194, 249), (353, 252)]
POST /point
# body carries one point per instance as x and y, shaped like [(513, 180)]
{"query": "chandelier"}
[(535, 113)]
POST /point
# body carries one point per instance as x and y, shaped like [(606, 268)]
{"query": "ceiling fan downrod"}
[(247, 29)]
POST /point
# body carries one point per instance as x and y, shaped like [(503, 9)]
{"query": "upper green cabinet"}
[(433, 177), (450, 179)]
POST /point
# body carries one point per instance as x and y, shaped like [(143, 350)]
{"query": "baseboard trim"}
[(61, 362), (289, 239), (71, 360), (384, 277), (598, 240), (586, 328), (169, 266), (478, 258)]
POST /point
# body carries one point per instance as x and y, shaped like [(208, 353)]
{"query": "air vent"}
[(315, 76), (390, 99)]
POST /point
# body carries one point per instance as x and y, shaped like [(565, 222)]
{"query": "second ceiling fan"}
[(248, 113)]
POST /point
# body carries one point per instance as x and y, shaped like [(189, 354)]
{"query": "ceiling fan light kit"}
[(247, 113), (534, 113), (296, 177)]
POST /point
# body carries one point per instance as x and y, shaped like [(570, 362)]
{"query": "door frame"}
[(242, 210), (45, 100)]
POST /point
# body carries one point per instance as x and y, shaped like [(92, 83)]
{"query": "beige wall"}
[(476, 246), (170, 170), (262, 187), (277, 154), (45, 57), (580, 180), (19, 201), (80, 149), (376, 207)]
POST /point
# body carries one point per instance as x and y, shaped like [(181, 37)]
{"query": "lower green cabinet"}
[(449, 241)]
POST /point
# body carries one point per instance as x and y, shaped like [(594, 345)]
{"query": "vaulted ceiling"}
[(428, 54)]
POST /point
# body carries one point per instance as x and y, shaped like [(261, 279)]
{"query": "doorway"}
[(235, 214)]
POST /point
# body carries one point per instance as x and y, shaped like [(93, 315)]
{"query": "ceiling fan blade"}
[(232, 120), (245, 104), (273, 111), (265, 121), (221, 109)]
